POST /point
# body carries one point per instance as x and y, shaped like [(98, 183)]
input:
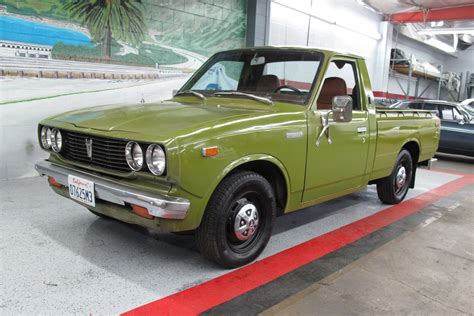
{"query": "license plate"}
[(81, 190)]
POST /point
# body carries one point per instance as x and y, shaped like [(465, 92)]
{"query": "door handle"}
[(362, 130)]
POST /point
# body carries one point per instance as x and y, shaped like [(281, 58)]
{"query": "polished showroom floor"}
[(417, 257)]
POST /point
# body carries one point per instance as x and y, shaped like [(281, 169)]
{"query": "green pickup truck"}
[(255, 133)]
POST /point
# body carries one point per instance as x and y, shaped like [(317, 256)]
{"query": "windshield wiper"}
[(196, 94), (247, 95)]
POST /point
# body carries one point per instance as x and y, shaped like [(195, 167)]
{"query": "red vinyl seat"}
[(268, 83), (332, 86)]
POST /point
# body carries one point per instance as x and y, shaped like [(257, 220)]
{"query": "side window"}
[(341, 78), (447, 113), (431, 107), (416, 106), (224, 75)]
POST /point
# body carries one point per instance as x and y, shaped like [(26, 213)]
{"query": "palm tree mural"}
[(107, 19)]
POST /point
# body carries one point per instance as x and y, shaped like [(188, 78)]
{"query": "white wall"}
[(347, 26), (465, 61), (463, 64), (341, 25)]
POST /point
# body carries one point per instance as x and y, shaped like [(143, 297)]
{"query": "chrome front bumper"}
[(108, 190)]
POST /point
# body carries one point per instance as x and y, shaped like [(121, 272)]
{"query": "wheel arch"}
[(413, 147), (269, 167)]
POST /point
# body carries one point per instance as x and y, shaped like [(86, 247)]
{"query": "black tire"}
[(392, 190), (243, 202), (99, 214)]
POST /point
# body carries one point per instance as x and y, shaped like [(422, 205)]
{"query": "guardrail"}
[(18, 66)]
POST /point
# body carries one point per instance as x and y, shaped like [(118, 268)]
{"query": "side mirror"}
[(174, 92), (342, 108)]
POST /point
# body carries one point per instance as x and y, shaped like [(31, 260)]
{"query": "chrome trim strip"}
[(108, 190), (457, 130)]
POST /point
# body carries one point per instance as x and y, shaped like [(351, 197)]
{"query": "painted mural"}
[(151, 33)]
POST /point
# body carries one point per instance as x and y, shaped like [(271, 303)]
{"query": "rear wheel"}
[(394, 188), (238, 220)]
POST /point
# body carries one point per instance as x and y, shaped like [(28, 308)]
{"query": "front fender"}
[(199, 203)]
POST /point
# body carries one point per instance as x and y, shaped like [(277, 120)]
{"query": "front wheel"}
[(238, 220), (394, 188)]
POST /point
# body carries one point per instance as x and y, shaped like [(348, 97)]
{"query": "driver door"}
[(337, 164)]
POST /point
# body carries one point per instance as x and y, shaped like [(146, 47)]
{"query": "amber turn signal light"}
[(210, 151), (54, 183)]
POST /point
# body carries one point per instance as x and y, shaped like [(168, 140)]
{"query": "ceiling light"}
[(437, 23)]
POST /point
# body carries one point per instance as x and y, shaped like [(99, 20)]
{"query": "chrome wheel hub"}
[(246, 222), (401, 178)]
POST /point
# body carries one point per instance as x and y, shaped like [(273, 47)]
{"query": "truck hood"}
[(164, 120)]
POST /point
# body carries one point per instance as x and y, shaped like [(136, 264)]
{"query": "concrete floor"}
[(426, 271), (57, 258)]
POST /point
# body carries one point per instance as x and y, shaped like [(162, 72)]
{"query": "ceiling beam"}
[(445, 14)]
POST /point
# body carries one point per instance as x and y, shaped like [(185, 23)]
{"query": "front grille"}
[(106, 152)]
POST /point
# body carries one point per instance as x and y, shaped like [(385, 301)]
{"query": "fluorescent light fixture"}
[(447, 31)]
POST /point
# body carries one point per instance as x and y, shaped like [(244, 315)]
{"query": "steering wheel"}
[(288, 87)]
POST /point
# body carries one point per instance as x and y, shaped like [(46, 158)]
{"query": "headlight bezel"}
[(56, 145), (45, 137), (131, 149), (159, 168)]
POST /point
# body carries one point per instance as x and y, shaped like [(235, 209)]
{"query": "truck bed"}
[(398, 127)]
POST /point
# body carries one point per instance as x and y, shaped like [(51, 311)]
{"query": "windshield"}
[(278, 75)]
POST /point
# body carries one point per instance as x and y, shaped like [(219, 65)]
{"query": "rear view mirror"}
[(257, 61), (342, 108)]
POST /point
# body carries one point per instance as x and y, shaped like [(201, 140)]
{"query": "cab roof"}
[(325, 51)]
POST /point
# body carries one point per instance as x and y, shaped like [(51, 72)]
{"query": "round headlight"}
[(45, 137), (155, 159), (56, 140), (134, 156)]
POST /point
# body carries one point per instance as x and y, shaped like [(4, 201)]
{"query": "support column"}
[(258, 21), (382, 63)]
